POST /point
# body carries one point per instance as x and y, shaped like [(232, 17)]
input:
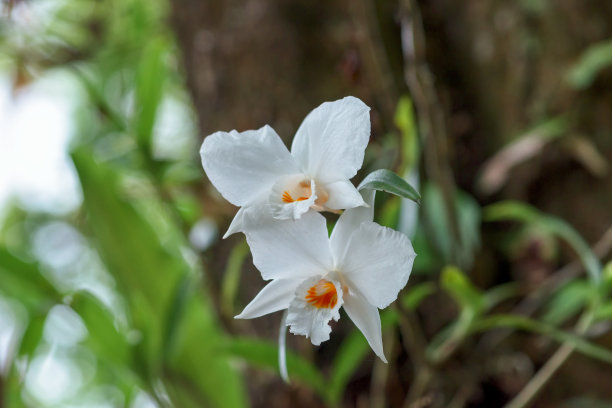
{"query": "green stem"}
[(440, 351)]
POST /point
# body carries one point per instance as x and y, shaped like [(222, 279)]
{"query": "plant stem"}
[(527, 395), (380, 374), (537, 383), (415, 345), (419, 386), (282, 348)]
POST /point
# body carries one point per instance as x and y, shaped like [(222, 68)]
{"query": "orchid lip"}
[(322, 295), (302, 190)]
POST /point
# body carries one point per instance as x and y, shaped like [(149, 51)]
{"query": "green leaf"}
[(471, 302), (406, 122), (104, 338), (200, 358), (429, 261), (567, 302), (437, 222), (128, 240), (388, 181), (462, 290), (518, 211), (265, 355), (468, 217), (466, 212), (97, 97), (144, 250), (32, 336), (512, 211), (107, 341), (606, 282), (390, 212), (22, 279), (604, 312), (149, 91), (594, 60)]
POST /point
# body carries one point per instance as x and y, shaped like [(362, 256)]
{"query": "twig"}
[(419, 387), (412, 336), (536, 384), (462, 395), (380, 375), (540, 379), (415, 344)]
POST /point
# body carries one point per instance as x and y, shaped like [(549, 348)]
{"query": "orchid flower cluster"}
[(362, 266)]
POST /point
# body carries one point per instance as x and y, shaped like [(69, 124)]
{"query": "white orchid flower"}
[(255, 171), (362, 267)]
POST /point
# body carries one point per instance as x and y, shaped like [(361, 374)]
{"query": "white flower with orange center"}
[(361, 267), (255, 171)]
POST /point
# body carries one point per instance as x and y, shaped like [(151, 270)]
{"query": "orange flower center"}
[(302, 192), (322, 295)]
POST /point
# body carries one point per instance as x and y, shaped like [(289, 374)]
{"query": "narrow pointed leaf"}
[(594, 60), (388, 181), (521, 212), (22, 278), (462, 290), (265, 354), (149, 90), (144, 250)]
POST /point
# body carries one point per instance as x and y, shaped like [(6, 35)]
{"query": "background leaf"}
[(172, 320), (595, 59), (386, 180), (461, 289), (149, 89), (517, 211), (264, 354)]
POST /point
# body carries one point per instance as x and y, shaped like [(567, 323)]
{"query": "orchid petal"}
[(242, 166), (237, 223), (252, 212), (330, 143), (311, 321), (366, 318), (287, 248), (378, 262), (275, 296), (348, 223), (343, 195)]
